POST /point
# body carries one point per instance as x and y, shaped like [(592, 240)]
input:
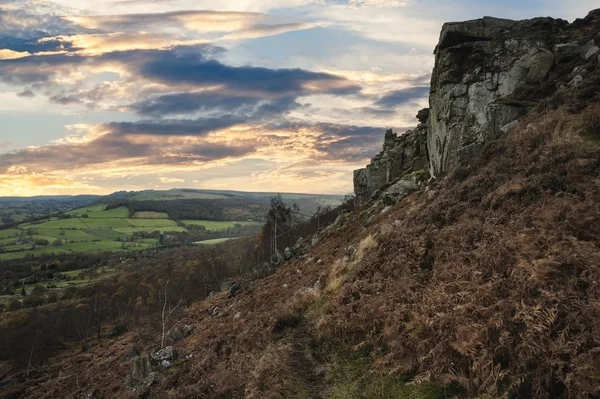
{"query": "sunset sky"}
[(261, 95)]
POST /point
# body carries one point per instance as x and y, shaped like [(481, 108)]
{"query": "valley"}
[(142, 220)]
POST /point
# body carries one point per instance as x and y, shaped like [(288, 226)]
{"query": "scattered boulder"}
[(177, 333), (166, 353), (187, 330), (567, 51), (589, 50), (287, 253), (140, 368), (234, 289), (166, 364), (406, 185), (576, 82)]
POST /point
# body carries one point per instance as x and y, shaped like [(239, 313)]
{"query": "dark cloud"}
[(33, 20), (398, 97), (33, 44), (211, 101), (115, 147), (65, 99), (192, 68), (175, 127), (26, 94), (189, 66)]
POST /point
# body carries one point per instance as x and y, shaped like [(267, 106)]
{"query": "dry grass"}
[(591, 119), (488, 284)]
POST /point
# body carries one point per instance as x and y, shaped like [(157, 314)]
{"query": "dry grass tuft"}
[(591, 119)]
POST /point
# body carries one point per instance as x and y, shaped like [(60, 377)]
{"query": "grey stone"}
[(187, 330), (577, 80), (401, 156), (234, 289), (406, 185), (423, 115), (140, 368), (589, 50), (166, 364), (508, 126), (287, 253), (494, 59), (566, 51), (166, 353), (150, 379), (174, 334), (538, 64)]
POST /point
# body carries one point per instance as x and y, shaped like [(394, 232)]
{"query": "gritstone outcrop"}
[(486, 74)]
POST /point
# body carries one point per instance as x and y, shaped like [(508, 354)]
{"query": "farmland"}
[(87, 229), (216, 226), (95, 228)]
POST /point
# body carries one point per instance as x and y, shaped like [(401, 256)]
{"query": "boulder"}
[(576, 81), (567, 51), (234, 289), (140, 368), (174, 334), (589, 50), (166, 353), (287, 253), (179, 332), (400, 189)]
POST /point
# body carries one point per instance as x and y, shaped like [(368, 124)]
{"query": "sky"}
[(255, 95)]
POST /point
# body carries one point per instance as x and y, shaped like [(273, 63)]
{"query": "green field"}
[(150, 215), (99, 211), (215, 226), (215, 241), (8, 233), (102, 230)]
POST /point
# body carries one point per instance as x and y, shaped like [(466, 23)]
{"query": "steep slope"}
[(482, 283)]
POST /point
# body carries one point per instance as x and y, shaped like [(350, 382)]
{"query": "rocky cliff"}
[(488, 73)]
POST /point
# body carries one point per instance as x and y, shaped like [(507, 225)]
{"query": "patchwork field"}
[(150, 215), (88, 229), (216, 225)]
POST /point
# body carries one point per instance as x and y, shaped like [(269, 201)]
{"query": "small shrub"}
[(591, 119)]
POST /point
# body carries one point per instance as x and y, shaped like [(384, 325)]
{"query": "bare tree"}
[(167, 311)]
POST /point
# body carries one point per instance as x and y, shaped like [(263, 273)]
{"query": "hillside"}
[(45, 226), (471, 270)]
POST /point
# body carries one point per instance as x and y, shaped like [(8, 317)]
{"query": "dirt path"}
[(304, 366)]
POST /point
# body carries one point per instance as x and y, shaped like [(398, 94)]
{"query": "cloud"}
[(192, 20), (168, 180), (185, 66), (398, 97), (6, 54)]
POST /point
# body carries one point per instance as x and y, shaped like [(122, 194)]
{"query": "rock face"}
[(401, 156), (479, 67), (488, 73)]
